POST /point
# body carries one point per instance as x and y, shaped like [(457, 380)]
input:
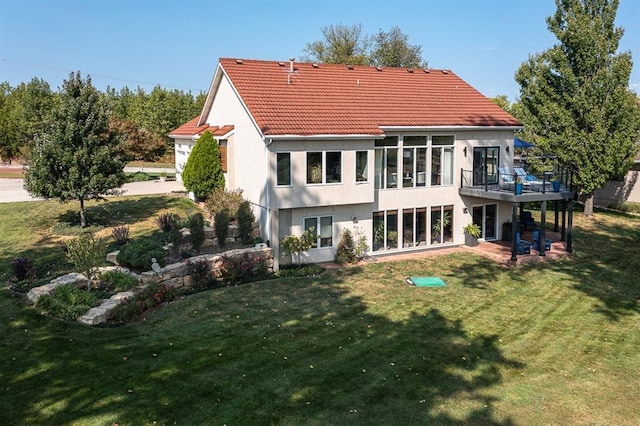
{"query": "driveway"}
[(11, 190)]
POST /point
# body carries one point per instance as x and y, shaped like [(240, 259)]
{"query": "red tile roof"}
[(191, 128), (328, 99)]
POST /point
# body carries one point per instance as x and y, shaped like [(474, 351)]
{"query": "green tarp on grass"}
[(426, 281)]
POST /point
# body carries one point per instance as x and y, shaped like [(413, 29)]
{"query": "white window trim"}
[(319, 238), (324, 168)]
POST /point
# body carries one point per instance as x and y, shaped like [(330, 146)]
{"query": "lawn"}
[(553, 343)]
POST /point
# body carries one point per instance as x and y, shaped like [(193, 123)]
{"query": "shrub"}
[(296, 245), (22, 268), (175, 238), (200, 271), (203, 173), (86, 253), (196, 226), (245, 222), (223, 200), (152, 295), (305, 271), (346, 250), (361, 243), (221, 227), (120, 234), (137, 254), (167, 221), (247, 267), (67, 302), (117, 281)]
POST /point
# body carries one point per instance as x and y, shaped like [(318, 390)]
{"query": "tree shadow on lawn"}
[(295, 351), (123, 211)]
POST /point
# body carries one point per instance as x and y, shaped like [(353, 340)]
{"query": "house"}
[(379, 151)]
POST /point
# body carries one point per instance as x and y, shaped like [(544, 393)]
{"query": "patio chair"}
[(522, 246), (536, 241), (506, 179), (527, 220), (529, 181)]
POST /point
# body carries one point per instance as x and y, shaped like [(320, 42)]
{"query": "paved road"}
[(11, 190)]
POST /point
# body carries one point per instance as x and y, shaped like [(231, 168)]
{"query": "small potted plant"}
[(471, 234), (519, 185)]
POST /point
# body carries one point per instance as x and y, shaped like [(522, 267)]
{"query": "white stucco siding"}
[(356, 218), (302, 194), (246, 151)]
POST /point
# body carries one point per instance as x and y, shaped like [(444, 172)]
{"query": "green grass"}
[(553, 343)]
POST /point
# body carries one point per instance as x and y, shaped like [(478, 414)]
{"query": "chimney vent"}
[(291, 64)]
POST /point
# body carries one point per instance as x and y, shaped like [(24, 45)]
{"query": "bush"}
[(167, 221), (86, 253), (223, 200), (67, 302), (196, 226), (245, 222), (120, 234), (310, 270), (22, 268), (137, 254), (117, 281), (221, 227), (200, 271), (346, 250), (152, 295), (175, 238), (203, 173), (243, 269)]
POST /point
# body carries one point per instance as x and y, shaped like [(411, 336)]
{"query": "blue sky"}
[(177, 43)]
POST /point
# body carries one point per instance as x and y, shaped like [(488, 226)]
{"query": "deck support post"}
[(514, 230), (570, 227), (555, 219), (543, 231), (563, 232)]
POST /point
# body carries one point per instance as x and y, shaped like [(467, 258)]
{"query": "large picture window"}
[(283, 166), (324, 167), (322, 229)]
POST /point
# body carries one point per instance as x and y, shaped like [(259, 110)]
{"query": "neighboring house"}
[(379, 151)]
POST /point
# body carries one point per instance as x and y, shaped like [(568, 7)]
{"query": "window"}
[(441, 224), (442, 160), (283, 168), (324, 167), (222, 147), (386, 163), (414, 161), (322, 233), (362, 169), (385, 230)]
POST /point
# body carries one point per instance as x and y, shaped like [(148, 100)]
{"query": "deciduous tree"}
[(79, 158), (392, 49), (574, 97)]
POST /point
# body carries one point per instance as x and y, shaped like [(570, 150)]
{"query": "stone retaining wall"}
[(175, 275)]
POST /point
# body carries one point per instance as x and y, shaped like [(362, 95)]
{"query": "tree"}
[(203, 172), (79, 157), (392, 49), (344, 44), (138, 143), (574, 97)]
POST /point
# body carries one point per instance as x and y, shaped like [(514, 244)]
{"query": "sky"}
[(177, 44)]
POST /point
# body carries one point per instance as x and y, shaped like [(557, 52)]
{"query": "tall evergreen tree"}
[(574, 97), (203, 172), (78, 158)]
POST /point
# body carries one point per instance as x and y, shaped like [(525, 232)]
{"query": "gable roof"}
[(328, 99), (191, 128)]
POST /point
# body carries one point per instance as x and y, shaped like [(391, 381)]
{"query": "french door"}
[(486, 217), (485, 165)]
